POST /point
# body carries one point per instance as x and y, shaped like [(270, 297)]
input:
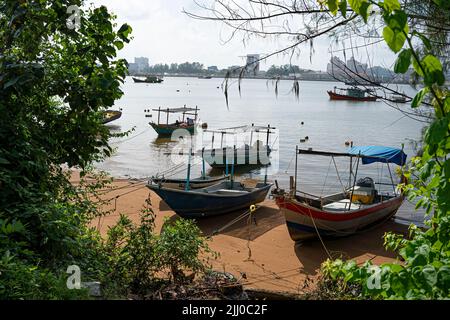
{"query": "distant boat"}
[(166, 129), (149, 79), (351, 94), (398, 99), (197, 183), (356, 208), (205, 77), (218, 199), (110, 115), (362, 83), (256, 153)]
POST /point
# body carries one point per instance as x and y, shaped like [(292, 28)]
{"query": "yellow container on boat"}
[(363, 195)]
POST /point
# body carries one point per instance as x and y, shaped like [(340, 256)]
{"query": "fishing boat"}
[(197, 183), (217, 199), (357, 208), (149, 79), (351, 94), (111, 115), (398, 98), (255, 153), (365, 83), (186, 123)]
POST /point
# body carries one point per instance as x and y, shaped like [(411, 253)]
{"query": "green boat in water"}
[(186, 123)]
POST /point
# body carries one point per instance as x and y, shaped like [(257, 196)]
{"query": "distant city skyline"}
[(163, 34)]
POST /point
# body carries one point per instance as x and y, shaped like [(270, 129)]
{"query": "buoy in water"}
[(302, 123), (306, 138), (204, 125)]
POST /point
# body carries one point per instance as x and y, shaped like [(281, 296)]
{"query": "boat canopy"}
[(176, 110), (248, 128), (371, 154)]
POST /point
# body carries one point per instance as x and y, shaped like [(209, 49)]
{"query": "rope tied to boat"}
[(253, 208)]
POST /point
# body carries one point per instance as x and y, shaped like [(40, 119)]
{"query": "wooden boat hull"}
[(199, 203), (137, 80), (337, 96), (167, 130), (111, 115), (305, 222), (194, 183), (218, 159)]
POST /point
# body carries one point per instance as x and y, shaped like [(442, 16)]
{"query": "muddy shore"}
[(257, 251)]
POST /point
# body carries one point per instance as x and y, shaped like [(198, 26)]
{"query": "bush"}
[(180, 248)]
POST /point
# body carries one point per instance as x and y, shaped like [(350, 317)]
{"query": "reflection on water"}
[(327, 124)]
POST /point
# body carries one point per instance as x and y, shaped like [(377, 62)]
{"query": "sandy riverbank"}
[(263, 253)]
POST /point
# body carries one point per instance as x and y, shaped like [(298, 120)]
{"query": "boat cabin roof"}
[(176, 110), (369, 154), (244, 128)]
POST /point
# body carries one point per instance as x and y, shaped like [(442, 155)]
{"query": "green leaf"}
[(443, 277), (430, 276), (355, 4), (395, 40), (424, 39), (391, 5), (416, 67), (397, 21), (124, 31), (433, 70), (119, 44), (333, 6), (437, 131), (343, 7), (364, 11), (403, 61)]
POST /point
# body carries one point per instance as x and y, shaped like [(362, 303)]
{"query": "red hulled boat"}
[(356, 209), (351, 94)]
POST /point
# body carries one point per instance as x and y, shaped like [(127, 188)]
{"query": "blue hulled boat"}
[(221, 198)]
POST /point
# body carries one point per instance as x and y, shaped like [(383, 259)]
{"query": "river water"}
[(327, 124)]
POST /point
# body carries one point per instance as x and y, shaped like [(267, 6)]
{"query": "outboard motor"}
[(364, 191)]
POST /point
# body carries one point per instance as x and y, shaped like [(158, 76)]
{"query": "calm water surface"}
[(328, 124)]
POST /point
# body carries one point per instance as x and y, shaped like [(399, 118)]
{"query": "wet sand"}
[(257, 251)]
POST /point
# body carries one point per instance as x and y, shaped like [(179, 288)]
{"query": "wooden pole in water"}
[(167, 115), (188, 177)]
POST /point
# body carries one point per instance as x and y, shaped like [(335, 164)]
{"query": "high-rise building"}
[(141, 63), (252, 64)]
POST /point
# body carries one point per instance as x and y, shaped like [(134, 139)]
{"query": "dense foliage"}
[(424, 272), (58, 72)]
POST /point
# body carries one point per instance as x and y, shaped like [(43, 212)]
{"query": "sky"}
[(164, 34)]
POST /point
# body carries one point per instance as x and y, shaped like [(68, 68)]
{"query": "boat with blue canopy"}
[(359, 207)]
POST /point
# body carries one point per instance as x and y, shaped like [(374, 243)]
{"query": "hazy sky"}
[(164, 34)]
